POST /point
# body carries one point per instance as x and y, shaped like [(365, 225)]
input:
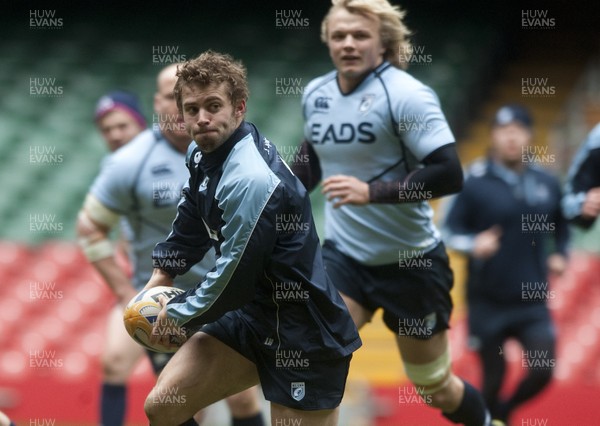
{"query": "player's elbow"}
[(87, 228), (92, 239)]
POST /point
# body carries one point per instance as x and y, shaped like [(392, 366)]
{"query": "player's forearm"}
[(187, 243), (176, 257), (460, 242), (307, 167), (94, 223), (116, 279), (572, 206), (442, 175), (248, 236)]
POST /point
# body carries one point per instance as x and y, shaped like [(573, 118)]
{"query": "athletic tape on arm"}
[(96, 247), (99, 213), (97, 250)]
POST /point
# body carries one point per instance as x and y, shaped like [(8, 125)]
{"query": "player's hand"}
[(159, 278), (487, 243), (591, 205), (557, 263), (165, 331), (343, 189)]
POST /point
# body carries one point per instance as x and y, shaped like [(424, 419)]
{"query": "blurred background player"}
[(119, 118), (142, 183), (381, 143), (507, 219)]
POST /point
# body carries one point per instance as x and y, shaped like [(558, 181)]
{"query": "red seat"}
[(13, 256)]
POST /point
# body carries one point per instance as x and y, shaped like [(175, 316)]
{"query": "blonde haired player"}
[(378, 140)]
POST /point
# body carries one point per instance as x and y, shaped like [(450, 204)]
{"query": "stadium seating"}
[(76, 58), (69, 325)]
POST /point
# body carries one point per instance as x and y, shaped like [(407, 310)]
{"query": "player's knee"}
[(152, 410), (158, 413), (434, 382), (166, 406)]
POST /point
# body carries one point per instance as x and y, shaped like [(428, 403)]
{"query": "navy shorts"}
[(290, 378), (491, 324), (413, 293)]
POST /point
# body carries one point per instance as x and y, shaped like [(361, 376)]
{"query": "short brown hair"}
[(213, 68), (392, 30)]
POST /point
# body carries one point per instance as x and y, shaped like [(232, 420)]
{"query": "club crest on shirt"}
[(430, 321), (212, 234), (197, 157), (203, 184), (365, 103), (298, 390), (267, 145)]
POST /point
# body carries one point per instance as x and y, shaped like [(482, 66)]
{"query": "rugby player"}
[(142, 182), (508, 221), (377, 139), (239, 190)]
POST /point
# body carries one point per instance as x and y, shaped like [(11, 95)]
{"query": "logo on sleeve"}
[(161, 169), (298, 390), (322, 102), (212, 234)]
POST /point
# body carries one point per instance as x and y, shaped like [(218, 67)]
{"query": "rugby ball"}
[(140, 315)]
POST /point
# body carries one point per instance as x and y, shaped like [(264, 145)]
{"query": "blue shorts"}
[(491, 324), (289, 377), (414, 295)]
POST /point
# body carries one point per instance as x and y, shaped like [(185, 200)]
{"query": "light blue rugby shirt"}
[(381, 130)]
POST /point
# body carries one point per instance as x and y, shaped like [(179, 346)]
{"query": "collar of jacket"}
[(495, 168), (212, 161)]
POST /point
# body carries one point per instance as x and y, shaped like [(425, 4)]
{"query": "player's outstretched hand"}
[(343, 189), (165, 331)]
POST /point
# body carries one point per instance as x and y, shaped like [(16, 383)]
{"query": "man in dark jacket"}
[(508, 221), (268, 312)]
